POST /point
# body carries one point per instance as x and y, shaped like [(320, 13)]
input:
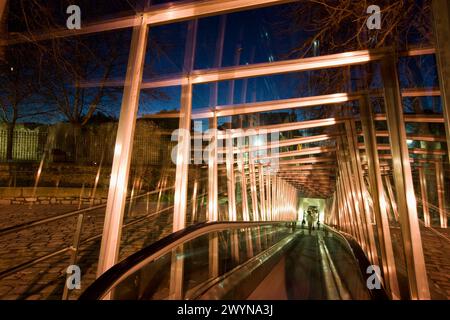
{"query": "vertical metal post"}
[(184, 138), (387, 181), (253, 191), (360, 187), (379, 200), (404, 187), (194, 201), (213, 255), (262, 198), (74, 250), (212, 155), (351, 199), (269, 196), (441, 193), (441, 19), (424, 195), (231, 183), (212, 172), (117, 193), (245, 212), (176, 274)]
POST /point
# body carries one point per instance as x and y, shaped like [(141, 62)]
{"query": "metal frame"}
[(379, 200), (117, 193), (441, 18), (406, 200), (281, 199)]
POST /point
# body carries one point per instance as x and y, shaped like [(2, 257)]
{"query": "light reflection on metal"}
[(213, 255), (262, 197), (424, 195), (266, 106), (231, 183), (183, 155), (194, 201), (176, 273), (124, 142), (379, 200), (406, 200), (284, 143), (268, 129), (243, 179), (390, 195), (441, 193), (253, 190), (441, 24), (360, 189), (212, 173), (156, 15)]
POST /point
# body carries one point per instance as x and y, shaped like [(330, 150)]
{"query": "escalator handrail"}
[(362, 260), (137, 260)]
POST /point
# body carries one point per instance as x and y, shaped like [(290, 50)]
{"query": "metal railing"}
[(76, 243)]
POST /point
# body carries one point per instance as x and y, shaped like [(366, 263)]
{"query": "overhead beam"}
[(156, 15), (302, 152), (301, 125), (267, 106), (285, 143)]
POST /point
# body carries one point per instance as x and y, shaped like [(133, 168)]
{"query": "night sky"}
[(260, 34)]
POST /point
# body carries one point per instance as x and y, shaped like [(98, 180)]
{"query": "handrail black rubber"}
[(104, 283), (363, 262)]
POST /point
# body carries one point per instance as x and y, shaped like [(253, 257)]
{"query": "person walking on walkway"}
[(310, 219)]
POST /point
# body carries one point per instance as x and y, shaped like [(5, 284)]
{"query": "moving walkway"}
[(241, 260)]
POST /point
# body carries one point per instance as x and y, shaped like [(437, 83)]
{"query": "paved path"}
[(45, 280)]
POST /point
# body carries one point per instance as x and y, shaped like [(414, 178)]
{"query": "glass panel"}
[(56, 150)]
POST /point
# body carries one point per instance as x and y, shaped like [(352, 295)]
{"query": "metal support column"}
[(360, 187), (441, 19), (404, 187), (262, 198), (212, 172), (244, 198), (379, 199), (441, 193), (212, 152), (390, 194), (115, 207), (184, 139), (231, 183), (424, 195), (253, 189)]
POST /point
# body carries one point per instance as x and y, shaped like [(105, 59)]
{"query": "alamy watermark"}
[(73, 280), (374, 280), (374, 20), (261, 143), (74, 20)]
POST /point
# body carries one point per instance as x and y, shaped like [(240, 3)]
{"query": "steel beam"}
[(156, 15), (379, 200), (407, 206), (184, 140), (441, 193), (110, 245), (441, 19), (424, 195)]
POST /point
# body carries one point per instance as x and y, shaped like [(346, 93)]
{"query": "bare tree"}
[(20, 90), (334, 26)]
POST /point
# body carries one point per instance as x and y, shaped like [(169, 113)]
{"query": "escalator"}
[(241, 260)]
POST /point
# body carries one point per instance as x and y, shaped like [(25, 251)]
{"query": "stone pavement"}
[(436, 250), (46, 279)]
